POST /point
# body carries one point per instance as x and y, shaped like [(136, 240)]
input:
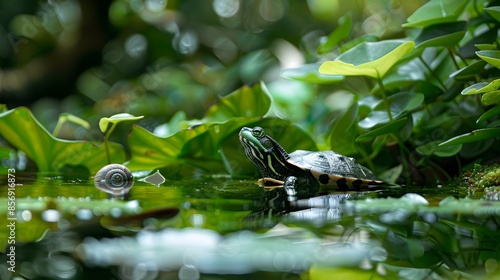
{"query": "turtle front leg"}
[(290, 185)]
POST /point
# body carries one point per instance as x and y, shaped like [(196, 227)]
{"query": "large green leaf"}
[(368, 59), (391, 127), (494, 12), (441, 35), (469, 72), (343, 132), (474, 136), (340, 33), (199, 146), (309, 73), (436, 11), (247, 101), (492, 57), (399, 103), (433, 148), (20, 128)]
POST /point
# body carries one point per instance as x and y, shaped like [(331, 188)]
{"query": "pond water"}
[(219, 228)]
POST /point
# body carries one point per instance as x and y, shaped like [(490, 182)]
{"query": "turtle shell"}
[(334, 169)]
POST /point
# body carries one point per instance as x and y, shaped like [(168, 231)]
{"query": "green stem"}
[(384, 98), (443, 87), (57, 128), (452, 56), (105, 140)]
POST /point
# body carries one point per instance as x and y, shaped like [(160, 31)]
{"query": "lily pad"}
[(309, 73), (474, 136), (340, 33), (368, 59), (436, 11), (20, 128), (441, 34)]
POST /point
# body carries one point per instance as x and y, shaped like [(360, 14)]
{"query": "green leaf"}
[(20, 128), (492, 57), (340, 33), (115, 119), (247, 101), (68, 117), (441, 34), (481, 87), (436, 11), (490, 98), (474, 136), (197, 146), (399, 103), (469, 72), (391, 127), (494, 12), (343, 132), (368, 59), (433, 148), (493, 112), (309, 73)]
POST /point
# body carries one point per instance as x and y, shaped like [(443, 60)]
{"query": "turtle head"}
[(263, 151)]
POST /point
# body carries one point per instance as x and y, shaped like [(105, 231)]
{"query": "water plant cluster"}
[(417, 108)]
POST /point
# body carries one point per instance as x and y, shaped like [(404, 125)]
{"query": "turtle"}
[(303, 169)]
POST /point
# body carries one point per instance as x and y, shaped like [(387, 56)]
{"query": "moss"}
[(483, 177)]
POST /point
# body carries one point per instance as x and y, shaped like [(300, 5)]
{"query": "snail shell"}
[(114, 179)]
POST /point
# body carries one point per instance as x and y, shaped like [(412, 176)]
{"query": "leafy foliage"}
[(406, 101)]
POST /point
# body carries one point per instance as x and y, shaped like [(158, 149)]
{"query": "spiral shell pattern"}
[(114, 179)]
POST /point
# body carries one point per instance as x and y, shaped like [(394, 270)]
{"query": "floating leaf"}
[(492, 57), (340, 33), (20, 128), (441, 34), (368, 59), (115, 119), (309, 73), (493, 112), (474, 136), (481, 87), (155, 179), (436, 11), (391, 127), (247, 101)]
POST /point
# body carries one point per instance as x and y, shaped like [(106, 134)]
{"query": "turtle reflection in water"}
[(303, 170)]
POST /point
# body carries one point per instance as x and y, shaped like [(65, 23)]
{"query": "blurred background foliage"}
[(171, 61), (97, 58)]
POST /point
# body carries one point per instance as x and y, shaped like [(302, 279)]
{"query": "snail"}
[(115, 179)]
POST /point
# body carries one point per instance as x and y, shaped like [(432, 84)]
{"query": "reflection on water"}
[(187, 229)]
